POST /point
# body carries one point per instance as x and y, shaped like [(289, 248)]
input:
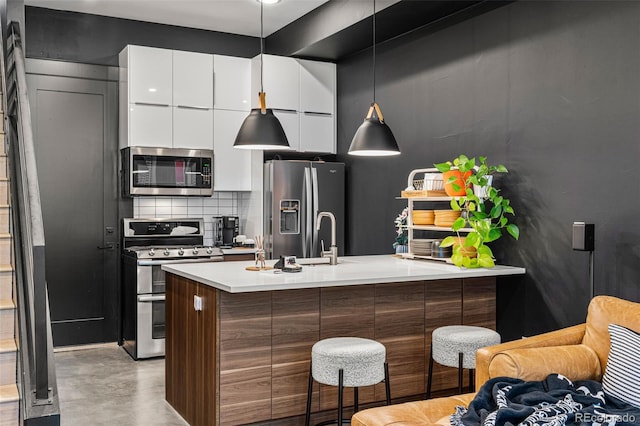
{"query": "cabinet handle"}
[(194, 107), (326, 114), (284, 110), (150, 104)]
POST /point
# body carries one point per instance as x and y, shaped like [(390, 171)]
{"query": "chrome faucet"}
[(332, 253)]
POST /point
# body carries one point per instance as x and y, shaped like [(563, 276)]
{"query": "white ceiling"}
[(230, 16)]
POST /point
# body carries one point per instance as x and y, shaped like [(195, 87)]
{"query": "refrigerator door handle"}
[(308, 223), (315, 242)]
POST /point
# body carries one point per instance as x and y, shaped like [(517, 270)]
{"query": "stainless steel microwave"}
[(167, 171)]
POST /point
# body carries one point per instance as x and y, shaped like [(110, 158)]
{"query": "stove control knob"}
[(166, 252), (195, 251), (209, 250), (152, 252), (180, 252)]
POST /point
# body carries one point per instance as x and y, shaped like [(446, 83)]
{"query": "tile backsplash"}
[(220, 204)]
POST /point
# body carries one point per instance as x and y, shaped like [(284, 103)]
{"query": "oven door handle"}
[(157, 298)]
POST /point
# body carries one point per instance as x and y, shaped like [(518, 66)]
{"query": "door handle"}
[(314, 214), (107, 246), (158, 298), (307, 239)]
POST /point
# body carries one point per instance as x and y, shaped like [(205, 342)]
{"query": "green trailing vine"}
[(487, 214)]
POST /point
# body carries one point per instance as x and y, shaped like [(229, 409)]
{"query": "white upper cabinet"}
[(232, 83), (150, 125), (291, 126), (232, 166), (281, 82), (192, 79), (302, 94), (192, 128), (152, 81), (317, 133), (192, 100), (317, 86), (150, 75)]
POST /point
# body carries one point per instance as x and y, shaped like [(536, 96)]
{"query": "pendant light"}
[(261, 129), (374, 137)]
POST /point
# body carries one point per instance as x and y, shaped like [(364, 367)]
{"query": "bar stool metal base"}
[(460, 370), (340, 420)]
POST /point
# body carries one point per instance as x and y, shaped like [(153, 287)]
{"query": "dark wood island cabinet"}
[(244, 357)]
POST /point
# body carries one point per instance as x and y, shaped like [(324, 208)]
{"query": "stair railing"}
[(37, 378)]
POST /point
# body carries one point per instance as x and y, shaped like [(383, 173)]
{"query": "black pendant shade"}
[(373, 138), (261, 131)]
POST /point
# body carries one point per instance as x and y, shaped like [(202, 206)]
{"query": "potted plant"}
[(484, 211), (400, 244)]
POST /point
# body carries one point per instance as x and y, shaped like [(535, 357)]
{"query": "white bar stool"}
[(347, 362), (456, 346)]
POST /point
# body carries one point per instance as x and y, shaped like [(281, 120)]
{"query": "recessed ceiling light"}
[(268, 1)]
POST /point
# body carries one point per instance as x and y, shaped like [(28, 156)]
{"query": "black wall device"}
[(583, 236)]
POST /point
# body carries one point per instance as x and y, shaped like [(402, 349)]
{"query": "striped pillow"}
[(622, 376)]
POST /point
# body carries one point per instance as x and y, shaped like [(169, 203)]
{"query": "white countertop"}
[(350, 270)]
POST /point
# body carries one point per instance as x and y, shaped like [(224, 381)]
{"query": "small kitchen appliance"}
[(230, 229), (147, 245), (217, 230), (167, 171)]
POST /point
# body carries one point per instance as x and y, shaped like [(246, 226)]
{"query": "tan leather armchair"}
[(579, 352)]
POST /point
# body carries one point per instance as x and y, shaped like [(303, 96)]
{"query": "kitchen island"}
[(239, 342)]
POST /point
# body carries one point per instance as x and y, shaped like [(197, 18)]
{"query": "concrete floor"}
[(102, 385)]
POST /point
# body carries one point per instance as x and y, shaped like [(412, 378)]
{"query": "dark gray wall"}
[(551, 90), (93, 39)]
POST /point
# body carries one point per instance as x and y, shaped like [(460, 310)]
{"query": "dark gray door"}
[(75, 130)]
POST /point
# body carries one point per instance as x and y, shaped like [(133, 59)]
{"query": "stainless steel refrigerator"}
[(295, 192)]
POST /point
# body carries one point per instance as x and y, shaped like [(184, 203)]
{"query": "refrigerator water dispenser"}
[(289, 216)]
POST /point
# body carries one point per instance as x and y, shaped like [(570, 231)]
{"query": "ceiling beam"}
[(340, 28)]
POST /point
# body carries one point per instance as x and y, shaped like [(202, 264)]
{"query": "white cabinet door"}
[(150, 125), (281, 82), (291, 126), (317, 133), (192, 128), (150, 75), (232, 83), (317, 86), (231, 166), (192, 79)]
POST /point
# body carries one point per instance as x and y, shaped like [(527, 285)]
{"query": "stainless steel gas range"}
[(148, 244)]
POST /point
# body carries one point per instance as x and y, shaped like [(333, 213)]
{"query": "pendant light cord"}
[(262, 45), (374, 51)]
